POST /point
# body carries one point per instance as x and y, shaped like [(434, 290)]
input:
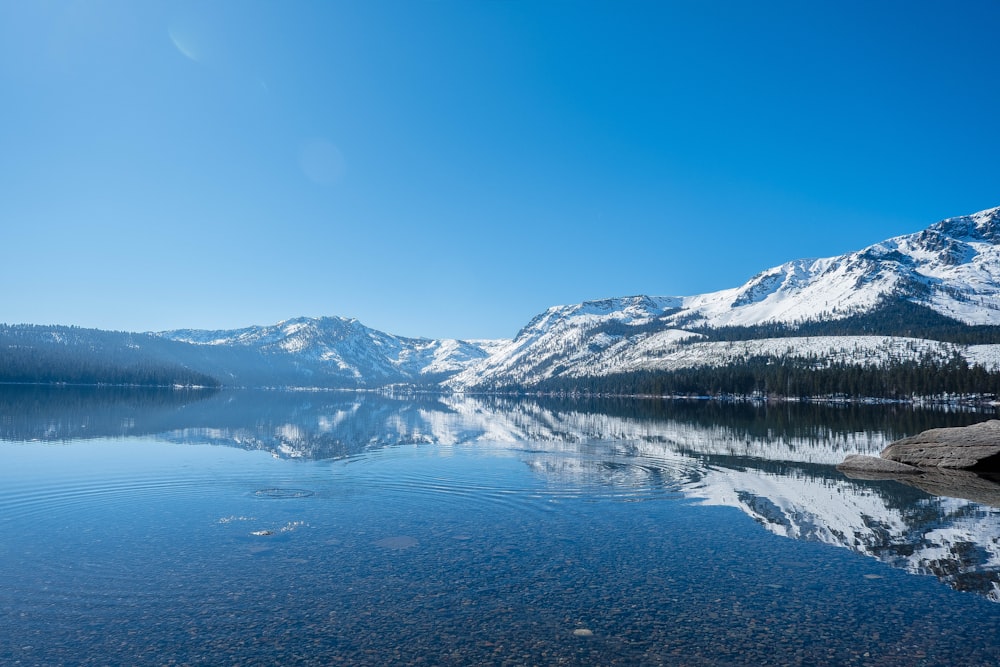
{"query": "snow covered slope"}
[(950, 270), (333, 348), (913, 297), (952, 267)]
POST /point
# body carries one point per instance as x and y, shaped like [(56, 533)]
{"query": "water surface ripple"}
[(353, 529)]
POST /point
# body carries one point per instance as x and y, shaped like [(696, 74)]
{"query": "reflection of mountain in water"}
[(954, 539), (329, 424), (775, 463), (62, 413)]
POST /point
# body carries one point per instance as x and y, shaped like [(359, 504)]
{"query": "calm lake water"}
[(264, 528)]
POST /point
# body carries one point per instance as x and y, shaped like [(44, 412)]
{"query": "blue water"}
[(160, 550)]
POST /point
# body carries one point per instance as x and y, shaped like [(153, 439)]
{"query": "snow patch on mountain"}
[(952, 268), (577, 335), (823, 351), (987, 356), (352, 349)]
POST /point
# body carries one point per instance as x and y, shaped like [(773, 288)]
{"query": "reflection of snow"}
[(783, 480), (525, 421), (327, 423), (797, 505), (956, 540)]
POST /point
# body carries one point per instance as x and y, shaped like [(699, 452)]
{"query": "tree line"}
[(769, 375), (70, 355), (891, 318)]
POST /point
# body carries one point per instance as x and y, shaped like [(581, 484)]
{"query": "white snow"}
[(953, 267), (353, 349)]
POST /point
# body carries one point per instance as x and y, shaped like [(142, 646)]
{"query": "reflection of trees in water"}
[(56, 413), (323, 424), (334, 423), (643, 445), (761, 419)]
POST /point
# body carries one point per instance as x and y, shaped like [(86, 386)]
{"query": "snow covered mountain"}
[(948, 273), (329, 350), (931, 297), (953, 267)]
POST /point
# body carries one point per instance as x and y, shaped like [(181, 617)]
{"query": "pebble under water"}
[(138, 551)]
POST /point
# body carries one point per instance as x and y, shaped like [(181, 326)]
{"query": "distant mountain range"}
[(929, 293), (330, 352), (930, 298)]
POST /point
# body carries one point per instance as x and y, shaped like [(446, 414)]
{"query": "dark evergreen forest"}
[(793, 377), (71, 355), (810, 377), (892, 318)]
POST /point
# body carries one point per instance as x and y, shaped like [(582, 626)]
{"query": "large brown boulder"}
[(859, 466), (963, 447)]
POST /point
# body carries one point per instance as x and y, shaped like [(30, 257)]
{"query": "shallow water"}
[(351, 529)]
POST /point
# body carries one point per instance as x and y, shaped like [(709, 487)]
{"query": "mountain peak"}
[(949, 272), (983, 226), (316, 321)]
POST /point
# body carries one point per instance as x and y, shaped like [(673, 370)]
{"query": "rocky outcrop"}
[(859, 466), (953, 462), (966, 447)]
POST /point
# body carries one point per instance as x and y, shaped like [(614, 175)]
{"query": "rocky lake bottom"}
[(318, 529)]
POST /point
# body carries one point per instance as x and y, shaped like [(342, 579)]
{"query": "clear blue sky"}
[(451, 168)]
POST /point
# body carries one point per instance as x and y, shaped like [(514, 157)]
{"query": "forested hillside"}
[(71, 355), (892, 317), (794, 377)]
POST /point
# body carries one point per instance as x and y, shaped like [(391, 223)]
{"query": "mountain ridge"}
[(948, 272), (932, 296)]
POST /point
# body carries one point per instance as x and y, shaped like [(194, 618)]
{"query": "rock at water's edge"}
[(975, 446), (873, 467)]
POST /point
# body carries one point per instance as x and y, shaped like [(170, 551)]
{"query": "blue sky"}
[(451, 168)]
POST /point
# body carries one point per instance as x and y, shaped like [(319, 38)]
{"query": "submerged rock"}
[(873, 467), (982, 489), (963, 447)]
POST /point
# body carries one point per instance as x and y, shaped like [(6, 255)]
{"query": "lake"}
[(169, 527)]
